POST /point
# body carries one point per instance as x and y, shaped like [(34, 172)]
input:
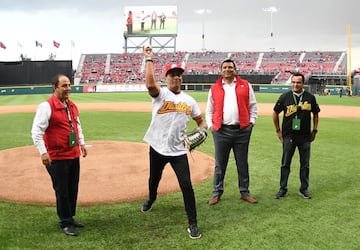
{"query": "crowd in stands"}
[(204, 63), (245, 61), (129, 67), (92, 68)]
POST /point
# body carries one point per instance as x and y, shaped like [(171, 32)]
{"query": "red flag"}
[(2, 45), (56, 44), (38, 44)]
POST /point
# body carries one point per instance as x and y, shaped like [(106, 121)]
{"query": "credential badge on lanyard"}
[(72, 135), (296, 122)]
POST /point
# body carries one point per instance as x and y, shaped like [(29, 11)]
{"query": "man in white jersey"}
[(171, 113)]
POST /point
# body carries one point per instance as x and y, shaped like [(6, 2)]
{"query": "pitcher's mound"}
[(112, 172)]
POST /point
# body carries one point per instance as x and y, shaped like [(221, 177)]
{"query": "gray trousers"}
[(225, 139)]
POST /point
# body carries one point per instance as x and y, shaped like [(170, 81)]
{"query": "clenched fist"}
[(148, 52)]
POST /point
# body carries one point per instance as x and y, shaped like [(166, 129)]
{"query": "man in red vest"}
[(231, 111), (57, 134)]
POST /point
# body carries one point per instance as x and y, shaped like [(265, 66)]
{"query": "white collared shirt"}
[(231, 111), (41, 123)]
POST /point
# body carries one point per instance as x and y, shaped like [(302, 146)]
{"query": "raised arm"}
[(153, 88)]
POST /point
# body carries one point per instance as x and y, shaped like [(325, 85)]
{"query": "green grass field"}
[(328, 221), (7, 100)]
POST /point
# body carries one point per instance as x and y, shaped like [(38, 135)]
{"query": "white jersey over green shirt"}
[(170, 116)]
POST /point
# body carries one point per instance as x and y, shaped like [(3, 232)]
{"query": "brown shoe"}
[(248, 199), (214, 200)]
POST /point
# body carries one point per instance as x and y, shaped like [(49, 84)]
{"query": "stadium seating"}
[(129, 67), (204, 63), (245, 61), (92, 68)]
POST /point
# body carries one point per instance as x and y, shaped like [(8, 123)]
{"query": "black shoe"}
[(77, 224), (305, 194), (194, 232), (281, 194), (146, 207), (69, 231)]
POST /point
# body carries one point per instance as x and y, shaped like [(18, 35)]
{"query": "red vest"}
[(243, 101), (56, 136)]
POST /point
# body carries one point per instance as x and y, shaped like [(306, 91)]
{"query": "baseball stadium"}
[(115, 109)]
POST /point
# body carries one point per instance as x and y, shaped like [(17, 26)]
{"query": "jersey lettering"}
[(306, 106), (169, 106), (291, 109)]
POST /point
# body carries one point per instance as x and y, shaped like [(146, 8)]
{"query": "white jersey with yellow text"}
[(170, 116)]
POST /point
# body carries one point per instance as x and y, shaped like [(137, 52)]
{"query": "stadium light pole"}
[(203, 12), (272, 10)]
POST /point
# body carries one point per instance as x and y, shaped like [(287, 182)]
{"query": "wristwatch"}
[(315, 130)]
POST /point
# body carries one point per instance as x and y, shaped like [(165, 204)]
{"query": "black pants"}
[(142, 26), (65, 179), (180, 166), (129, 28), (289, 146)]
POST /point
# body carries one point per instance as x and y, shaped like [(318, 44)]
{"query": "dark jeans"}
[(225, 139), (180, 165), (142, 26), (129, 28), (153, 24), (289, 146), (65, 179)]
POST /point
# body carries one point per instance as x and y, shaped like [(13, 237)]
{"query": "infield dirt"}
[(113, 171)]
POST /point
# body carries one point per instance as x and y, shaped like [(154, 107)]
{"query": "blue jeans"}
[(225, 139), (289, 146)]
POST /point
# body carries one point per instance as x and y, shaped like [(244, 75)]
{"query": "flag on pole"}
[(72, 43), (56, 44), (2, 45), (38, 44)]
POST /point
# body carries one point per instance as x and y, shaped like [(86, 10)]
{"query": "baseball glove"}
[(195, 138)]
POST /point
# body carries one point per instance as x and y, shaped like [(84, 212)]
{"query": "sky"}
[(97, 26)]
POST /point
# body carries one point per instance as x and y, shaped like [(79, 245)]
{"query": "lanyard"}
[(69, 117), (297, 103)]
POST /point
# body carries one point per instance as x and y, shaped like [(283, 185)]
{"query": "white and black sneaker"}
[(194, 232), (305, 194)]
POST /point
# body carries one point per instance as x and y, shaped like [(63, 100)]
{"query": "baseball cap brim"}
[(173, 67)]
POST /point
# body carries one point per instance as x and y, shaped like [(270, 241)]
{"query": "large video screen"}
[(148, 20)]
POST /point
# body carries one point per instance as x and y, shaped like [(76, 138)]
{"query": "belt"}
[(230, 126)]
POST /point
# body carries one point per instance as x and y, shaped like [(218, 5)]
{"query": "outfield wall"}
[(28, 90), (100, 88)]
